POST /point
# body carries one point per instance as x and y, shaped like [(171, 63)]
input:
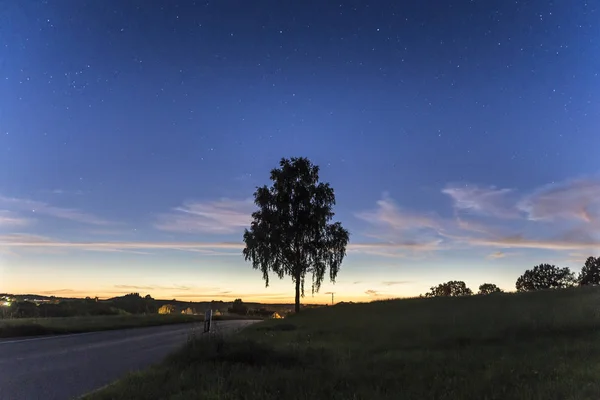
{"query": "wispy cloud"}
[(228, 295), (520, 242), (493, 218), (156, 287), (399, 231), (388, 214), (577, 258), (398, 249), (41, 208), (496, 255), (35, 241), (11, 220), (576, 200), (217, 217), (394, 283), (67, 192), (483, 201), (372, 292), (57, 291)]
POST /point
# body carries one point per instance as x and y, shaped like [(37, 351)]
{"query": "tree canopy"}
[(488, 288), (590, 272), (449, 289), (545, 276), (291, 233)]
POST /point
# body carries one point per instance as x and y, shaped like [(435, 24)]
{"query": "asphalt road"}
[(68, 366)]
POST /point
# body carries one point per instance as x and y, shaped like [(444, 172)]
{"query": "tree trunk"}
[(297, 309)]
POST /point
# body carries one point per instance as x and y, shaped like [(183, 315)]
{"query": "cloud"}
[(155, 287), (115, 250), (372, 292), (388, 214), (38, 207), (577, 258), (67, 192), (482, 201), (518, 241), (227, 295), (206, 248), (51, 292), (496, 255), (394, 283), (575, 200), (217, 217), (13, 241), (399, 249), (562, 216), (9, 219), (399, 231), (110, 232), (495, 221)]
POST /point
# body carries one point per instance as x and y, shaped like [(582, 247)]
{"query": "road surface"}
[(68, 366)]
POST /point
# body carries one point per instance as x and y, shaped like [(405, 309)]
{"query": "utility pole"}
[(332, 293)]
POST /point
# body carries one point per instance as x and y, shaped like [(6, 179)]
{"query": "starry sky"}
[(461, 138)]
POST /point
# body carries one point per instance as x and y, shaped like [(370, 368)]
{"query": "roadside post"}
[(207, 320)]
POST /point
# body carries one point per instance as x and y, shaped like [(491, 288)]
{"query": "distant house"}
[(275, 315), (188, 311), (166, 309)]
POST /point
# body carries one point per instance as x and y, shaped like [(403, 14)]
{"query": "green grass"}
[(51, 326), (543, 345)]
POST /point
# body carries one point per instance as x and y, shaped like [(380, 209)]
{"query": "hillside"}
[(542, 345)]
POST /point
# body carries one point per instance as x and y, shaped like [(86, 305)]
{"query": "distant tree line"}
[(540, 277), (131, 303)]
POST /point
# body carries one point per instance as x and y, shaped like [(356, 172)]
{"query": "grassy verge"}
[(50, 326), (542, 345)]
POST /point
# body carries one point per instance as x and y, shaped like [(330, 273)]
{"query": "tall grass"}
[(543, 345)]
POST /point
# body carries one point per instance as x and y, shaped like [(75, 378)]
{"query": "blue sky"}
[(460, 140)]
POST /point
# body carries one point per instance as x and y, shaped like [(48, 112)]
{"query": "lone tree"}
[(449, 289), (545, 276), (488, 288), (291, 233), (590, 273)]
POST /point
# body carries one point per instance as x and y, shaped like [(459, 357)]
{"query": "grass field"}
[(49, 326), (543, 345)]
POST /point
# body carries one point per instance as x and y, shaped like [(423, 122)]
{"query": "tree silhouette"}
[(590, 273), (545, 276), (290, 233), (449, 289), (238, 307), (488, 288)]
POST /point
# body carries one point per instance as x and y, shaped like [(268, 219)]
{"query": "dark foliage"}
[(489, 288), (24, 309), (449, 289), (133, 303), (238, 307), (590, 273), (545, 276)]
